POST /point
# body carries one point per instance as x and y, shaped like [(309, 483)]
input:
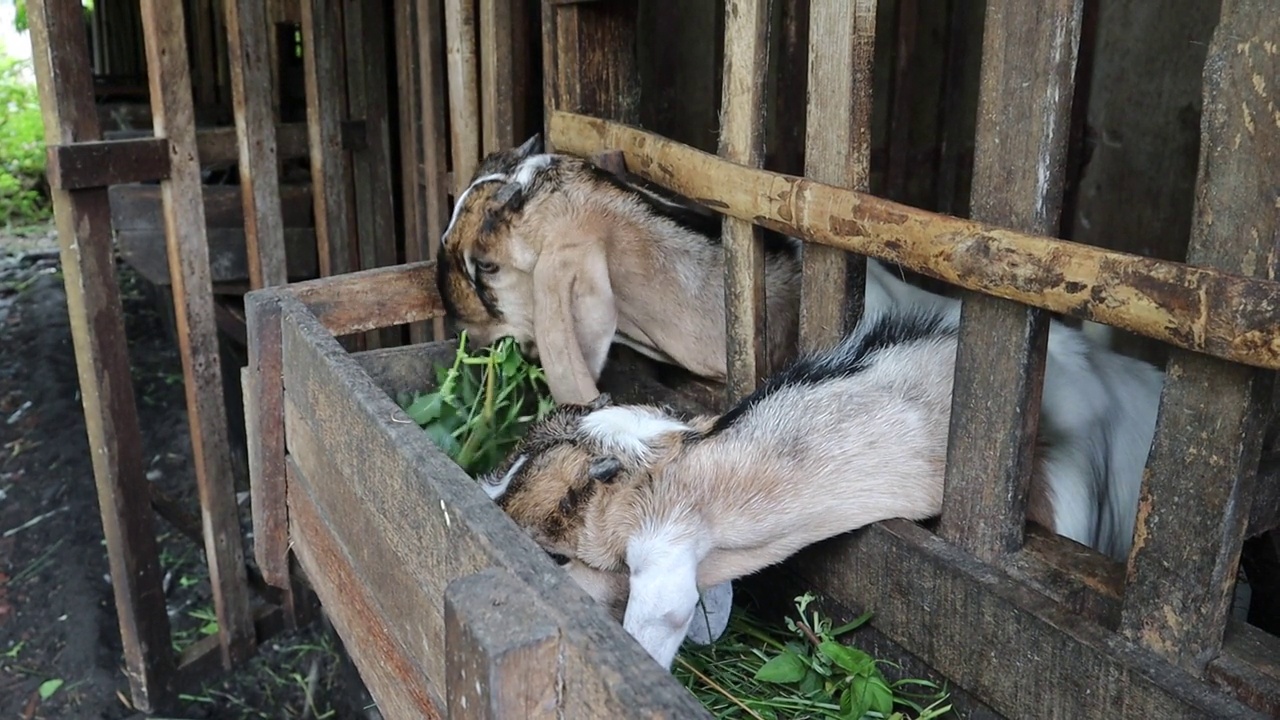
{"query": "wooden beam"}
[(83, 218), (435, 141), (1199, 484), (106, 162), (370, 299), (464, 91), (1028, 62), (174, 119), (746, 63), (842, 45), (264, 429), (498, 20), (220, 145), (259, 167), (1209, 311), (408, 35), (589, 60)]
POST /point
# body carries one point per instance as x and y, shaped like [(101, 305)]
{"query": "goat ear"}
[(507, 193), (532, 146), (576, 315), (604, 469)]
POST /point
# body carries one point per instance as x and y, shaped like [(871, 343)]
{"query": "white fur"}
[(495, 489), (529, 168), (664, 590), (457, 206), (629, 431)]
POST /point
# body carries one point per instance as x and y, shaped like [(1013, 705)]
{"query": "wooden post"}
[(435, 141), (182, 194), (408, 35), (500, 650), (1198, 487), (250, 65), (746, 59), (498, 20), (1029, 52), (842, 44), (464, 91), (83, 217)]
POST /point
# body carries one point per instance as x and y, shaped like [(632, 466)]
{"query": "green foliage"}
[(482, 404), (765, 674), (22, 196)]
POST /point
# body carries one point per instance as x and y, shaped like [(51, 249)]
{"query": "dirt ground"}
[(60, 652)]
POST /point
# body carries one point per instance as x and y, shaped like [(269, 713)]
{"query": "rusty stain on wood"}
[(1230, 316)]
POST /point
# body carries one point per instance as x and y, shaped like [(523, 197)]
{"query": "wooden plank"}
[(501, 650), (1198, 487), (198, 334), (220, 145), (1029, 53), (497, 75), (409, 102), (377, 465), (259, 167), (145, 251), (326, 83), (842, 47), (106, 162), (435, 140), (264, 431), (83, 220), (589, 60), (746, 62), (1222, 314), (464, 91), (371, 299), (139, 207), (204, 79), (1036, 658)]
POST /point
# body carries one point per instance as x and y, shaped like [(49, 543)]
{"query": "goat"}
[(682, 504), (568, 258)]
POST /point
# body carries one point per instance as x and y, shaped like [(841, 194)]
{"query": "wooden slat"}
[(409, 99), (842, 44), (1036, 659), (330, 167), (198, 333), (203, 56), (1029, 53), (220, 145), (259, 168), (501, 650), (589, 60), (1198, 487), (372, 299), (106, 162), (464, 91), (497, 75), (1210, 311), (264, 430), (435, 141), (746, 63), (145, 251), (83, 221), (139, 207)]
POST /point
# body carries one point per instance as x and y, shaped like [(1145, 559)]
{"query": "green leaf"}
[(49, 687), (785, 668), (852, 660), (854, 702), (852, 625), (879, 696)]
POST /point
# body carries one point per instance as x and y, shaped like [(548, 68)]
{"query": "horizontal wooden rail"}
[(106, 162), (1218, 313), (218, 145), (372, 299)]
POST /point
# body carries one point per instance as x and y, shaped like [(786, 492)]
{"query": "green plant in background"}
[(22, 197), (482, 404), (758, 672)]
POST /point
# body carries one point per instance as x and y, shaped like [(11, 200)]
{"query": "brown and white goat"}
[(567, 258), (836, 441)]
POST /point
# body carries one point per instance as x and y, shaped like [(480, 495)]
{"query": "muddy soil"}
[(60, 651)]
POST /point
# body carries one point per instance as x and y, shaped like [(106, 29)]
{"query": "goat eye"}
[(560, 559), (486, 266)]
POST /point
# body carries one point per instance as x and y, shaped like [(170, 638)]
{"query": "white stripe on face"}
[(495, 490), (462, 199)]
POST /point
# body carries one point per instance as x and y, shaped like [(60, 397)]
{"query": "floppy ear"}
[(575, 314)]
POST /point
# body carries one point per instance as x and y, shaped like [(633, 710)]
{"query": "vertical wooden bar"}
[(501, 650), (188, 249), (589, 59), (842, 44), (203, 54), (407, 37), (464, 91), (746, 60), (906, 24), (83, 217), (326, 82), (1198, 487), (431, 59), (264, 396), (366, 59), (497, 74), (1028, 63), (248, 43)]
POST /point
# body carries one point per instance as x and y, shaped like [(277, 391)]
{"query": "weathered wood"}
[(60, 59), (841, 49), (264, 430), (139, 207), (464, 90), (497, 21), (435, 141), (501, 650), (362, 461), (172, 110), (204, 80), (371, 299), (1198, 487), (106, 162), (259, 167), (746, 61), (1037, 660), (1210, 311), (326, 81), (409, 101), (589, 60), (219, 146), (145, 251)]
